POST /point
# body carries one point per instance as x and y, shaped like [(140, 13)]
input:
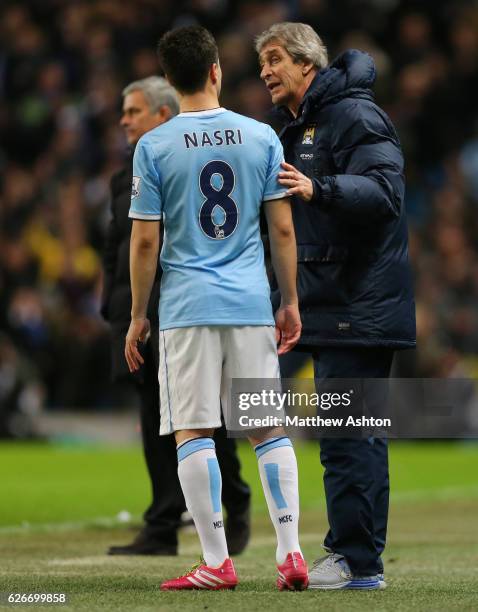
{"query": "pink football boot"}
[(202, 576), (293, 573)]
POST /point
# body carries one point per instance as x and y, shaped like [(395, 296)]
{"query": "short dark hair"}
[(186, 55)]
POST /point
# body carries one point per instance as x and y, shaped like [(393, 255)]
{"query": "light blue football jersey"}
[(206, 174)]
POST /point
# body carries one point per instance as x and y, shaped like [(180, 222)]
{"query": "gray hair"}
[(157, 92), (299, 40)]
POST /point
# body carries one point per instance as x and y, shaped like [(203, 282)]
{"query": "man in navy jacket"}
[(344, 172)]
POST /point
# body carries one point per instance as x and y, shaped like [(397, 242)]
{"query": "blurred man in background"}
[(148, 103), (345, 174)]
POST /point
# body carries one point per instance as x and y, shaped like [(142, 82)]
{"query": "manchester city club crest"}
[(308, 138)]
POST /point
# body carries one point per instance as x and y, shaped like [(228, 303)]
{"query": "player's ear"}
[(214, 73)]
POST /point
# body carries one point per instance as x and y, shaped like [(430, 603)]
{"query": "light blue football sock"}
[(278, 471), (200, 478)]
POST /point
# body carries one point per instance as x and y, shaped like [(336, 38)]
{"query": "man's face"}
[(283, 78), (137, 118)]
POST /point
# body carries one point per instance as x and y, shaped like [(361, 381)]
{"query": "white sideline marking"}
[(429, 495), (93, 560), (101, 521)]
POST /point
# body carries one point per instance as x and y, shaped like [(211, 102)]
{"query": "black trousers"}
[(356, 477), (163, 515)]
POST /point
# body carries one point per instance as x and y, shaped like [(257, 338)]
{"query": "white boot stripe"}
[(196, 583), (204, 580), (211, 576)]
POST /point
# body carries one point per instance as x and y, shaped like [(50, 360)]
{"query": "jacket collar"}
[(351, 74)]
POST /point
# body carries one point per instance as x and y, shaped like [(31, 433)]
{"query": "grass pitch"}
[(57, 518)]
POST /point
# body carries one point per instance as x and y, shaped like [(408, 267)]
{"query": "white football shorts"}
[(196, 365)]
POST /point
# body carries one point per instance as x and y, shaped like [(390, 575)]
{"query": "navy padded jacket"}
[(354, 278)]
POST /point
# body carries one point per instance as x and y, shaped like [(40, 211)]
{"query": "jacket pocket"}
[(321, 277)]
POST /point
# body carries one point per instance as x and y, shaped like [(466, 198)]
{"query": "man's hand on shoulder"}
[(296, 182), (288, 327), (138, 331)]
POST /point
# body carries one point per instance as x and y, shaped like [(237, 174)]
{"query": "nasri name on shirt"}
[(211, 139)]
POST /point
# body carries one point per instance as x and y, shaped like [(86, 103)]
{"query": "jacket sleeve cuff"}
[(323, 190)]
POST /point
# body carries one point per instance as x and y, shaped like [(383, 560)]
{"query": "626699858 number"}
[(33, 598)]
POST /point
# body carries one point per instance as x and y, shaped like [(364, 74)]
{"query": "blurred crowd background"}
[(63, 65)]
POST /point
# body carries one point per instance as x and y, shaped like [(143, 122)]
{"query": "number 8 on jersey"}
[(218, 215)]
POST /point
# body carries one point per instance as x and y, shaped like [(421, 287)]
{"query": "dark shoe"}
[(238, 531), (145, 545)]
